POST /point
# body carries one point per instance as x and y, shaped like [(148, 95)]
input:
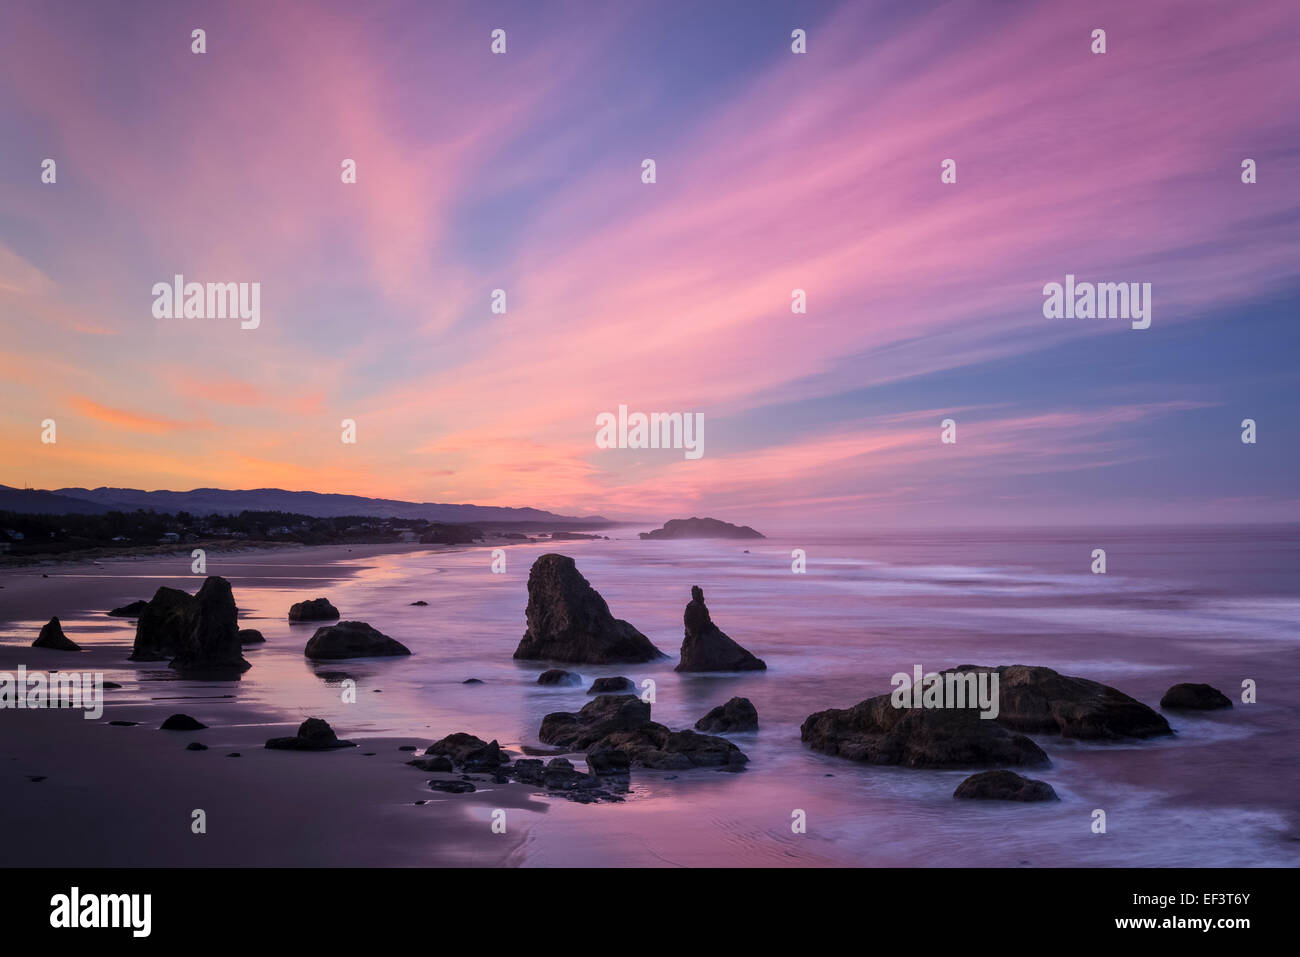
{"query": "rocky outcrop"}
[(182, 722), (875, 732), (317, 609), (706, 647), (314, 734), (611, 685), (700, 528), (558, 676), (468, 752), (1040, 700), (622, 723), (1004, 786), (569, 621), (738, 714), (53, 638), (130, 610), (250, 636), (162, 625), (1195, 697), (352, 639), (210, 642)]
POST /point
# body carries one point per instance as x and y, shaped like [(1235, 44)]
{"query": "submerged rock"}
[(558, 676), (130, 610), (250, 636), (1004, 786), (568, 620), (738, 714), (53, 638), (611, 685), (317, 609), (210, 643), (706, 647), (622, 723), (351, 639), (875, 732), (314, 734), (452, 787), (1195, 697), (1038, 700)]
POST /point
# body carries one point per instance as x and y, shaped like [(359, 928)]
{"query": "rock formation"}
[(569, 621), (314, 734), (1195, 697), (351, 639), (209, 643), (738, 714), (317, 609), (53, 638), (706, 647), (700, 528), (1004, 786)]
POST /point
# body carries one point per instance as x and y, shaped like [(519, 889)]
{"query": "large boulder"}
[(706, 647), (1190, 697), (622, 723), (569, 621), (352, 639), (1004, 786), (162, 625), (317, 609), (1038, 700), (53, 638), (558, 676), (210, 642), (613, 685), (738, 714), (250, 636), (876, 732), (314, 734), (466, 751)]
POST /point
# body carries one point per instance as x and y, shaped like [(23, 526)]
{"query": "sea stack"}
[(53, 638), (706, 647), (569, 621), (210, 643)]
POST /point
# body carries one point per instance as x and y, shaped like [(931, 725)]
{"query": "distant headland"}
[(701, 528)]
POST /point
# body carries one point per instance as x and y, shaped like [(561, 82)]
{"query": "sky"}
[(775, 171)]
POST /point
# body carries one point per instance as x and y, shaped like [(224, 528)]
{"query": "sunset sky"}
[(775, 171)]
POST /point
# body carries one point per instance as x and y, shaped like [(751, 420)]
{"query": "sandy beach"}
[(125, 795)]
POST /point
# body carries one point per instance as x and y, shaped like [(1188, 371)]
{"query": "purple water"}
[(1215, 605)]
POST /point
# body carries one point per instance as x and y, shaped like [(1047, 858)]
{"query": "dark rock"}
[(529, 771), (1036, 700), (53, 638), (1004, 786), (420, 604), (558, 676), (472, 681), (314, 734), (406, 747), (182, 722), (250, 636), (234, 754), (876, 732), (611, 685), (569, 621), (738, 714), (1194, 697), (439, 762), (317, 609), (131, 610), (123, 724), (196, 746), (706, 647), (622, 723), (162, 625), (469, 752), (608, 762), (351, 639), (701, 528), (452, 787), (210, 642)]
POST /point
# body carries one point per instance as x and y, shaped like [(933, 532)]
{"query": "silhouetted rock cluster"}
[(199, 634)]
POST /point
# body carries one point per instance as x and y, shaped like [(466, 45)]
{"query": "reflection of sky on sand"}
[(828, 643)]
